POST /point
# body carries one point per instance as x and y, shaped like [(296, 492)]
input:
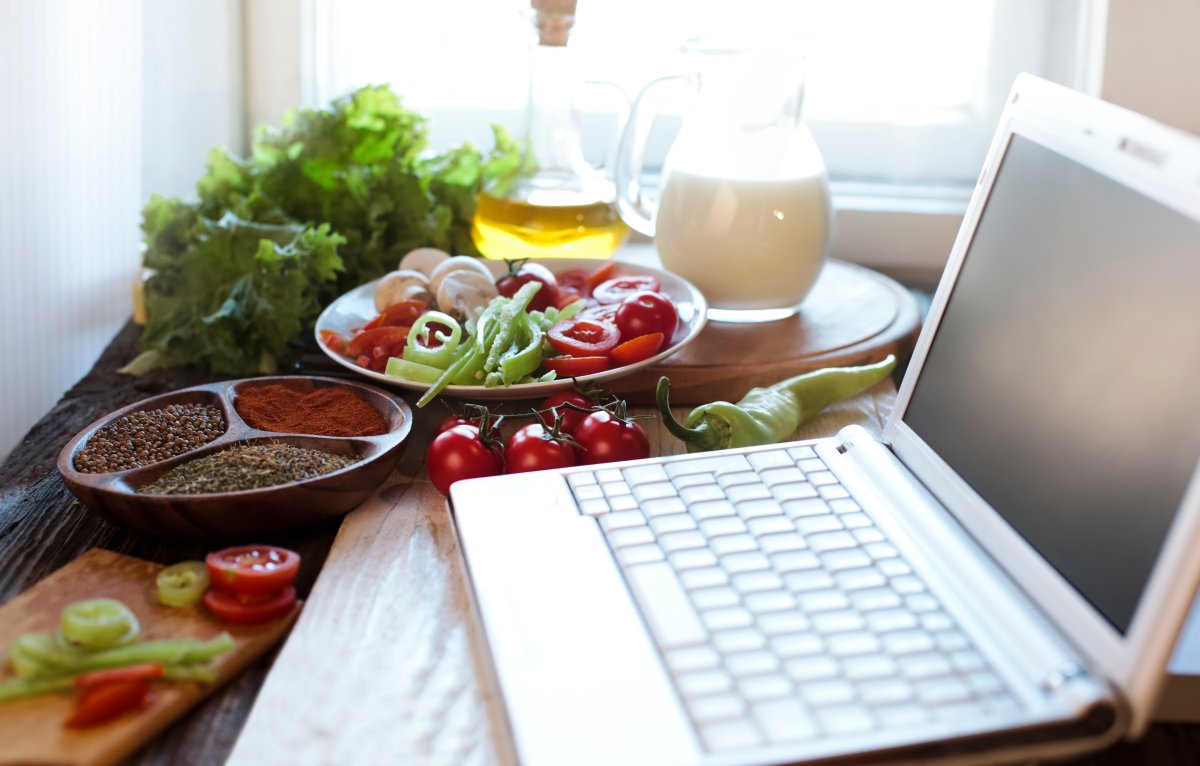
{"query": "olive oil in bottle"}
[(556, 204)]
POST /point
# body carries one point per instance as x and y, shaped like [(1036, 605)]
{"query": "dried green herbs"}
[(247, 467)]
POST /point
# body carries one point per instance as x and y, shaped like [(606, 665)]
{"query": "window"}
[(902, 97)]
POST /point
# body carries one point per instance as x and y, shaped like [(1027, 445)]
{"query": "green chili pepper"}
[(508, 324), (768, 415), (418, 349), (99, 623), (527, 354)]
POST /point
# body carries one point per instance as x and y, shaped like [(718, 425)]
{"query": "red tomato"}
[(607, 312), (452, 420), (252, 570), (107, 701), (575, 366), (567, 296), (637, 349), (574, 279), (546, 297), (570, 418), (460, 453), (335, 341), (602, 274), (363, 361), (532, 448), (250, 610), (603, 438), (402, 314), (144, 672), (364, 341), (618, 289), (583, 337), (644, 313)]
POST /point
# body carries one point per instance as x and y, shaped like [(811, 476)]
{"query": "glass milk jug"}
[(743, 207)]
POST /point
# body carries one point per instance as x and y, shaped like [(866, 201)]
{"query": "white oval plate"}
[(357, 307)]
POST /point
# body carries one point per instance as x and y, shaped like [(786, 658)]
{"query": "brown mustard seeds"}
[(150, 436)]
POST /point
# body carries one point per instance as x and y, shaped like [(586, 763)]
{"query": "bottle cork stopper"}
[(554, 20)]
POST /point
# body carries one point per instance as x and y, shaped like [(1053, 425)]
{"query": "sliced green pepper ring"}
[(100, 623), (419, 348), (182, 584)]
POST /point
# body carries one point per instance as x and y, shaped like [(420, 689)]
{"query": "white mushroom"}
[(424, 260), (459, 263), (465, 293), (399, 286)]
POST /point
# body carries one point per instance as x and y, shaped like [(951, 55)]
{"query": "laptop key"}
[(801, 453), (730, 735), (715, 465), (769, 525), (750, 561), (811, 506), (812, 525), (728, 617), (778, 543), (845, 719), (728, 544), (725, 525), (698, 683), (768, 601), (622, 519), (711, 510), (833, 691), (831, 541), (639, 554), (693, 480), (594, 507), (644, 492), (751, 663), (727, 480), (588, 492), (764, 461), (788, 475), (794, 561), (703, 578), (780, 623), (665, 605), (678, 541), (644, 474), (738, 640), (716, 707), (701, 493), (674, 522), (767, 687), (692, 558), (804, 670), (753, 582), (693, 658), (621, 537), (785, 720), (715, 598), (795, 491)]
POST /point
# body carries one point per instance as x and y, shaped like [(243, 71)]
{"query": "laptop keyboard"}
[(782, 612)]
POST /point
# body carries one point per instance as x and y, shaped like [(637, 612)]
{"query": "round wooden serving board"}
[(852, 316)]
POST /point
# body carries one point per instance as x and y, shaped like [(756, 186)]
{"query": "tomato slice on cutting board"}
[(105, 702), (252, 570), (250, 610)]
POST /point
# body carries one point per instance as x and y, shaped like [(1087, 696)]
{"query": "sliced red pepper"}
[(379, 336), (584, 337), (105, 702), (334, 340), (567, 296), (372, 324), (402, 314), (144, 672), (575, 366), (637, 349), (363, 361), (602, 274)]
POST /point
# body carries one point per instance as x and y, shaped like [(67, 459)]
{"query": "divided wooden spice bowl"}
[(249, 513)]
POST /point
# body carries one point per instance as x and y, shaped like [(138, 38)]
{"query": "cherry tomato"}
[(602, 274), (532, 448), (607, 312), (574, 279), (250, 609), (644, 313), (567, 296), (252, 570), (143, 672), (603, 438), (546, 297), (454, 419), (618, 289), (105, 702), (583, 337), (576, 366), (570, 418), (637, 349), (460, 453)]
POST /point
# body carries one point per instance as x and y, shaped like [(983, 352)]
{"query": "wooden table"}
[(425, 703)]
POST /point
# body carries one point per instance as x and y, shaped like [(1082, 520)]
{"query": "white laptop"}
[(1001, 577)]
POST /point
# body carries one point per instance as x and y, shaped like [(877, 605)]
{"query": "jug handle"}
[(609, 163), (635, 208)]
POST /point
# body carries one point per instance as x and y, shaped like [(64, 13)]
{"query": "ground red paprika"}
[(300, 407)]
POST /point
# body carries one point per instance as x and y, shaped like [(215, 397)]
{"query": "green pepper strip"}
[(464, 369), (526, 359), (508, 324), (768, 415), (43, 658), (20, 688), (418, 350)]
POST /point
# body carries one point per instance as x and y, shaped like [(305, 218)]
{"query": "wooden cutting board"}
[(852, 316), (32, 731)]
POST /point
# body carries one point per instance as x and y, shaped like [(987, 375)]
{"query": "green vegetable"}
[(525, 355), (418, 348), (42, 657), (768, 415), (20, 688), (182, 584), (329, 201), (99, 623), (403, 368)]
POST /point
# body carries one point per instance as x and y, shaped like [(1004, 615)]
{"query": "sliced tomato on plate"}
[(335, 341), (583, 337), (105, 702), (252, 569), (363, 342), (602, 274), (639, 348), (618, 289), (576, 366), (250, 610)]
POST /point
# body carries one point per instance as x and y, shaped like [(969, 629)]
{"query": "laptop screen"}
[(1064, 378)]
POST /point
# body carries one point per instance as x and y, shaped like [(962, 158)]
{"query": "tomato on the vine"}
[(576, 366), (583, 337), (533, 448), (618, 289), (639, 348), (605, 438), (458, 453), (644, 313), (531, 272), (570, 418)]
